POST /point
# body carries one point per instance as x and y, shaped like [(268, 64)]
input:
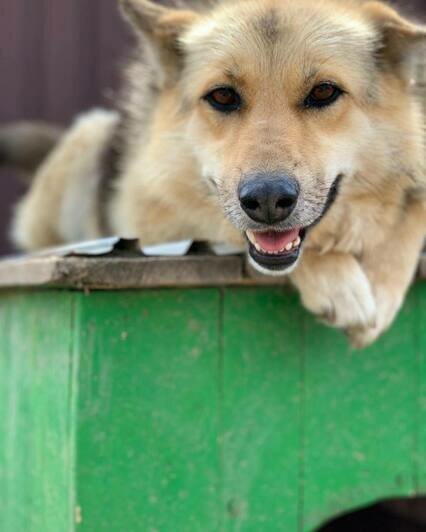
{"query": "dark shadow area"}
[(402, 515)]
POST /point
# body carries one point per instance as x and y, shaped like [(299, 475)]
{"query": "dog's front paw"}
[(335, 288), (388, 304)]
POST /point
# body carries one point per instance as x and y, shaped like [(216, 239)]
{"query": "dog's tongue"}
[(273, 241)]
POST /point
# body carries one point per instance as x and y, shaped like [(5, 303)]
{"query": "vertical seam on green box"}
[(302, 423), (74, 360)]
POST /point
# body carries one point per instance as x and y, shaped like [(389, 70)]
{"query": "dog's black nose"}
[(268, 199)]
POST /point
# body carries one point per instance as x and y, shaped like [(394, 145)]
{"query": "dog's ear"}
[(400, 39), (161, 28)]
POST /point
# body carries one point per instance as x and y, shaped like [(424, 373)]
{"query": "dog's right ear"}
[(161, 27), (400, 39)]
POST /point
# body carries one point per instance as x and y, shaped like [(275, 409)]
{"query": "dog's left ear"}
[(400, 39), (161, 27)]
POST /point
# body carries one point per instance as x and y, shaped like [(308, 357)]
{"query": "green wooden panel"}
[(261, 409), (172, 391), (36, 439), (419, 318), (148, 412), (201, 410), (362, 416)]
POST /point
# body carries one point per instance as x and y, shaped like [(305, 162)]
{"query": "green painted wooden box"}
[(142, 395)]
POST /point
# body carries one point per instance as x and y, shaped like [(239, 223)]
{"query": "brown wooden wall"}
[(57, 58)]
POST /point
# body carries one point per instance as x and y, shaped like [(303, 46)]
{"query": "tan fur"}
[(62, 205), (182, 161)]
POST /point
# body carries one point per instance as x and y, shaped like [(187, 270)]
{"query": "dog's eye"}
[(224, 99), (322, 95)]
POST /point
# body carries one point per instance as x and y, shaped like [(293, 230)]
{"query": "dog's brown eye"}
[(322, 95), (224, 99)]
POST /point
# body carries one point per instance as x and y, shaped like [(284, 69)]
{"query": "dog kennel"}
[(178, 394)]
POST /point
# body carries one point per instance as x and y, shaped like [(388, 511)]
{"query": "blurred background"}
[(61, 57), (57, 58)]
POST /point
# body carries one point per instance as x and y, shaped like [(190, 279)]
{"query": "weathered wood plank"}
[(121, 273), (261, 439), (149, 411), (36, 417), (118, 273)]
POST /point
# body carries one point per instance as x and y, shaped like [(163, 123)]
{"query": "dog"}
[(287, 127)]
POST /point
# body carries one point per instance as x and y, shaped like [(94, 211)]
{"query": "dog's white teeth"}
[(251, 238), (289, 247)]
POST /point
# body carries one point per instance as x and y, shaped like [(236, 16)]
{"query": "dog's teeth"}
[(290, 246), (252, 239)]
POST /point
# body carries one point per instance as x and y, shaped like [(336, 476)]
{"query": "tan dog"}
[(287, 126)]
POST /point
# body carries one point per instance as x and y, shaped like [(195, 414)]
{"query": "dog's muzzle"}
[(270, 200)]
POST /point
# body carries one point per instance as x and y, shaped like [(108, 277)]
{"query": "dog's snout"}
[(268, 199)]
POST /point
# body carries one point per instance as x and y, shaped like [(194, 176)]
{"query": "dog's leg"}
[(363, 297), (334, 287), (390, 269)]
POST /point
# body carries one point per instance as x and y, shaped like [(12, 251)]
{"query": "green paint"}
[(201, 410), (361, 417), (149, 404), (261, 409), (36, 430)]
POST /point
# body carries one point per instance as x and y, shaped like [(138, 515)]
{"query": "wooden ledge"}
[(120, 273)]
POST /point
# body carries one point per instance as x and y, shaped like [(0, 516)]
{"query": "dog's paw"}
[(361, 337), (337, 291), (388, 305), (346, 303)]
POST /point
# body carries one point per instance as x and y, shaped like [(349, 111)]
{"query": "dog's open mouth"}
[(275, 251)]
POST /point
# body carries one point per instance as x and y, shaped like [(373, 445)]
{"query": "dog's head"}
[(282, 100)]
